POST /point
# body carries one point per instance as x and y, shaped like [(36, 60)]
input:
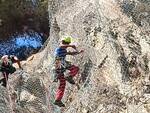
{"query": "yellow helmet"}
[(67, 39)]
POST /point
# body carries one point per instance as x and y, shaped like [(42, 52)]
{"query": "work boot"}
[(59, 103), (70, 79)]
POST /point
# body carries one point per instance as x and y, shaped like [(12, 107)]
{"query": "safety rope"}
[(48, 100), (8, 90)]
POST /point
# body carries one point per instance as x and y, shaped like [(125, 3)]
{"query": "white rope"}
[(8, 90)]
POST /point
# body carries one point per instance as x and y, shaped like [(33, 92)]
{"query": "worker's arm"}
[(16, 60), (66, 46), (75, 52)]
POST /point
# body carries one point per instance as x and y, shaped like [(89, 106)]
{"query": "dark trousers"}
[(5, 79)]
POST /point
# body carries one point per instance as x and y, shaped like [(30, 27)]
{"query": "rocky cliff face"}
[(117, 29), (111, 32)]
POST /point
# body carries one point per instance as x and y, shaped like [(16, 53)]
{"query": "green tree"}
[(14, 14)]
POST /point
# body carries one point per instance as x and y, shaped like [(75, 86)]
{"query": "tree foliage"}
[(14, 14)]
